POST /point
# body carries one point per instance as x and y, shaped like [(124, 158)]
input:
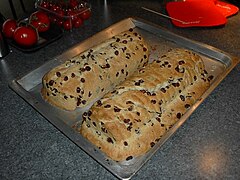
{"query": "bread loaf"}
[(93, 73), (128, 121)]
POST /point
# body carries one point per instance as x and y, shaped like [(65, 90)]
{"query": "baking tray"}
[(218, 64)]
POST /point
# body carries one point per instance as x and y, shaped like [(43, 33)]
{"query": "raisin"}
[(187, 106), (73, 75), (126, 121), (152, 144), (78, 101), (116, 53), (109, 140), (130, 108), (129, 158), (179, 115), (195, 78), (58, 74), (176, 84), (78, 90), (85, 113), (125, 143), (65, 78), (210, 78), (82, 80), (181, 62), (137, 83), (182, 97), (138, 113), (51, 82), (88, 68), (107, 106), (177, 69), (129, 128), (104, 129), (138, 120), (89, 113), (116, 109), (89, 94), (163, 90), (153, 101), (160, 102), (99, 103), (84, 101)]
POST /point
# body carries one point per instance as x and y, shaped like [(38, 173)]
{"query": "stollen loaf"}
[(93, 73), (132, 118)]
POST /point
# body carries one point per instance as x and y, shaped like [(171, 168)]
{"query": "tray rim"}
[(74, 137)]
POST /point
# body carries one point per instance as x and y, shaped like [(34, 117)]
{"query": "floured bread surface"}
[(93, 73), (128, 121)]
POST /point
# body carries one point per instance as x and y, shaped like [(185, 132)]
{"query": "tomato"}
[(72, 14), (55, 8), (85, 15), (73, 4), (67, 24), (60, 12), (40, 21), (25, 36), (78, 22), (44, 4), (9, 27)]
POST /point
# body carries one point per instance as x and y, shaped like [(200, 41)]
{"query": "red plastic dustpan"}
[(195, 13), (226, 9)]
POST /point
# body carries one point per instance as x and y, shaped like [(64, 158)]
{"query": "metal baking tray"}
[(218, 64)]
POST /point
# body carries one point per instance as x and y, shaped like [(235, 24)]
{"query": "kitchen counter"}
[(207, 146)]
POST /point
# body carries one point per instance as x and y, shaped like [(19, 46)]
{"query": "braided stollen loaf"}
[(128, 121), (93, 73)]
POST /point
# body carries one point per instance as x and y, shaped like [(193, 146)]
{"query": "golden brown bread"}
[(93, 73), (128, 121)]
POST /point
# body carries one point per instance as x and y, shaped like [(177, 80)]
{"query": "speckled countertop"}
[(207, 146)]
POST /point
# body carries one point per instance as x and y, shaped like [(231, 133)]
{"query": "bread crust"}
[(128, 121), (81, 80)]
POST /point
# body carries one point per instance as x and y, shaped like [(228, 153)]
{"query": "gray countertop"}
[(207, 146)]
